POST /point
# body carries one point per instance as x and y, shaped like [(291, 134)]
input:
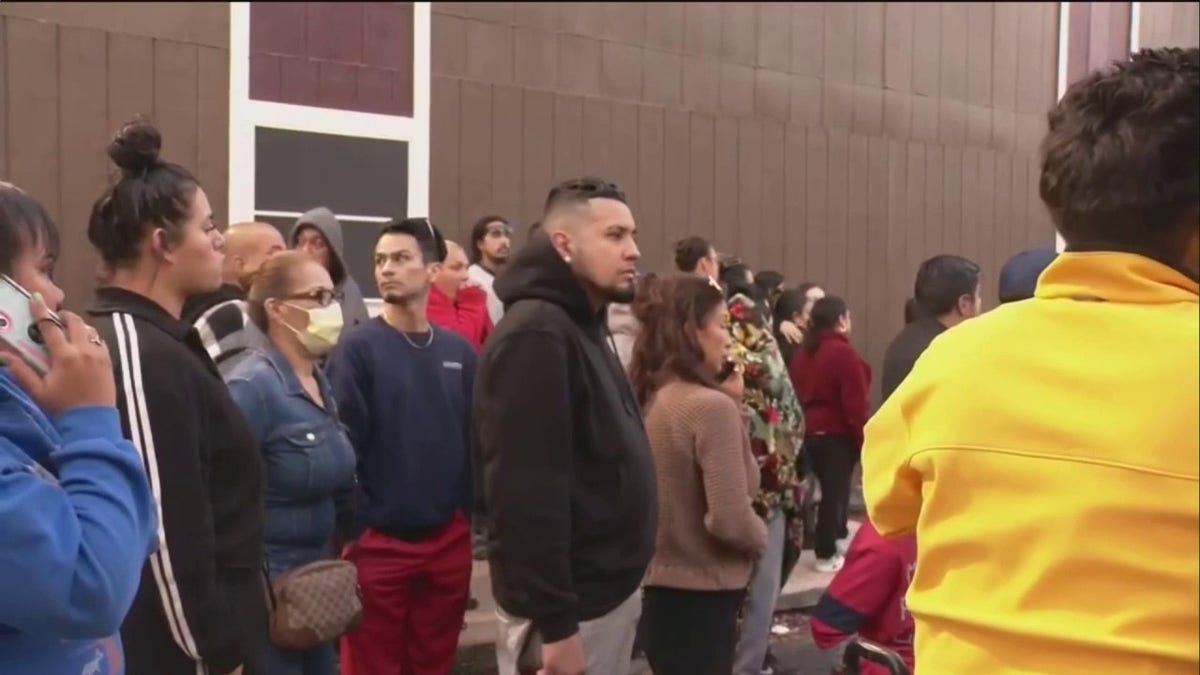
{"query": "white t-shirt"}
[(484, 279)]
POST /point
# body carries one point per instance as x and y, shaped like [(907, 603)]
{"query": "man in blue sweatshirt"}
[(403, 388)]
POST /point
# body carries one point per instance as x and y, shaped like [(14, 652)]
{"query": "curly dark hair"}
[(671, 310), (1120, 160)]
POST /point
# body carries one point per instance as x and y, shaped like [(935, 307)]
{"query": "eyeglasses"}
[(322, 296)]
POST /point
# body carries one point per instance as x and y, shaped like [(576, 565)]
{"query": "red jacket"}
[(834, 387), (466, 315), (866, 598)]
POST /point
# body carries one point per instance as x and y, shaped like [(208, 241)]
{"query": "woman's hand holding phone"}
[(80, 372)]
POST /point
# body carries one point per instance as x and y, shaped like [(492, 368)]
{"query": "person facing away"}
[(457, 304), (1019, 276), (220, 317), (76, 511), (866, 597), (1048, 461), (709, 536), (946, 293), (319, 234), (404, 389), (491, 245), (290, 406), (568, 477), (201, 604), (833, 383)]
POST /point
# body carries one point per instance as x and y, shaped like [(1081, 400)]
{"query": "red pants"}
[(414, 599)]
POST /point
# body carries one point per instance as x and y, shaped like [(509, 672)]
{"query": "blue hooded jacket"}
[(77, 521)]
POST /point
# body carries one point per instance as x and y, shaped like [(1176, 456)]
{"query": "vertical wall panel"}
[(538, 158), (816, 239), (568, 136), (445, 134), (952, 200), (838, 258), (507, 141), (31, 49), (597, 137), (725, 201), (795, 168), (934, 193), (749, 186), (647, 195), (625, 155), (858, 245), (916, 247), (475, 184), (774, 219), (702, 185), (879, 283), (676, 165), (212, 161), (176, 69), (900, 274)]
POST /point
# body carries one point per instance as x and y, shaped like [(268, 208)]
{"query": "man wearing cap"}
[(1019, 276)]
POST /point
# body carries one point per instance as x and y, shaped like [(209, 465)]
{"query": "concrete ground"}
[(794, 649)]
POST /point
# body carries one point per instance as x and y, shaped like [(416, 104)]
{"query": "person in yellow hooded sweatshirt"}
[(1046, 453)]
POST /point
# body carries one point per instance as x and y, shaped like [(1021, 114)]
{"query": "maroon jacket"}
[(466, 314), (834, 387), (866, 598)]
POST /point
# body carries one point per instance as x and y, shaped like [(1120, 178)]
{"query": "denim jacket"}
[(310, 464)]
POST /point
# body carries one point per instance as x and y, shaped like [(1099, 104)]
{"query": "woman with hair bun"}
[(201, 606), (709, 535)]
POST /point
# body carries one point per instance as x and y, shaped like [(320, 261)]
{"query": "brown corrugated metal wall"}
[(72, 72), (1169, 24), (836, 142)]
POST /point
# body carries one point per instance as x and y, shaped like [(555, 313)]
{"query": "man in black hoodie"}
[(567, 474)]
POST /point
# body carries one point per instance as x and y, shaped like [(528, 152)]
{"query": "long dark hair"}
[(671, 310), (824, 317)]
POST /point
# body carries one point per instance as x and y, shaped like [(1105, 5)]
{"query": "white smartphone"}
[(18, 330)]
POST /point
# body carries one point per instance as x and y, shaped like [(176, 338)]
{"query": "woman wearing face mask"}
[(286, 398)]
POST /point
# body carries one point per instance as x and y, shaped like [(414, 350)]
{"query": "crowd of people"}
[(637, 456)]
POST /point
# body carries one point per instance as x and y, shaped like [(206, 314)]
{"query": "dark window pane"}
[(359, 238), (297, 170)]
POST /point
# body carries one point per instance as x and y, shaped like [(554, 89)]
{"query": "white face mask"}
[(324, 327)]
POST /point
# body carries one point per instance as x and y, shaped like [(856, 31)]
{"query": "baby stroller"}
[(860, 650)]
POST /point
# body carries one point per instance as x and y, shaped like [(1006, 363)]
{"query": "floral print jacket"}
[(776, 422)]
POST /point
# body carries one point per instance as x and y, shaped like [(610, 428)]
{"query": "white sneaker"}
[(843, 545), (829, 565)]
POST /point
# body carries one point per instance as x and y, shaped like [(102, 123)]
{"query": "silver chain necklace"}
[(414, 345)]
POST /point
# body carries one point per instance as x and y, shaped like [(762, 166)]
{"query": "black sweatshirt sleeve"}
[(160, 416), (524, 427)]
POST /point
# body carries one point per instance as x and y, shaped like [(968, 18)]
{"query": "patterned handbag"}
[(314, 604)]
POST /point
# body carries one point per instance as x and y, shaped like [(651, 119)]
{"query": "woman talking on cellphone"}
[(201, 607), (77, 517)]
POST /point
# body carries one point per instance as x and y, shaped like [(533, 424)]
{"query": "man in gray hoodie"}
[(319, 234)]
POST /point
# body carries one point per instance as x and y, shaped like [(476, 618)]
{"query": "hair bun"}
[(136, 147)]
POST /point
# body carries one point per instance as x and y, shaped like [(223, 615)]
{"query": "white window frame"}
[(245, 115)]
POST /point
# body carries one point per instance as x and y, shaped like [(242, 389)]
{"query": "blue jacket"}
[(77, 520), (308, 458)]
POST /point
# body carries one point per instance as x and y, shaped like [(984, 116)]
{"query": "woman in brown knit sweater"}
[(708, 533)]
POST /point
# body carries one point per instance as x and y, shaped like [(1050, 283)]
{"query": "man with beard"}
[(220, 317), (403, 388), (491, 244), (568, 477)]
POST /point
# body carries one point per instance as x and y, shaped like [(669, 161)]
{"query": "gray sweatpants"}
[(607, 641), (760, 601)]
